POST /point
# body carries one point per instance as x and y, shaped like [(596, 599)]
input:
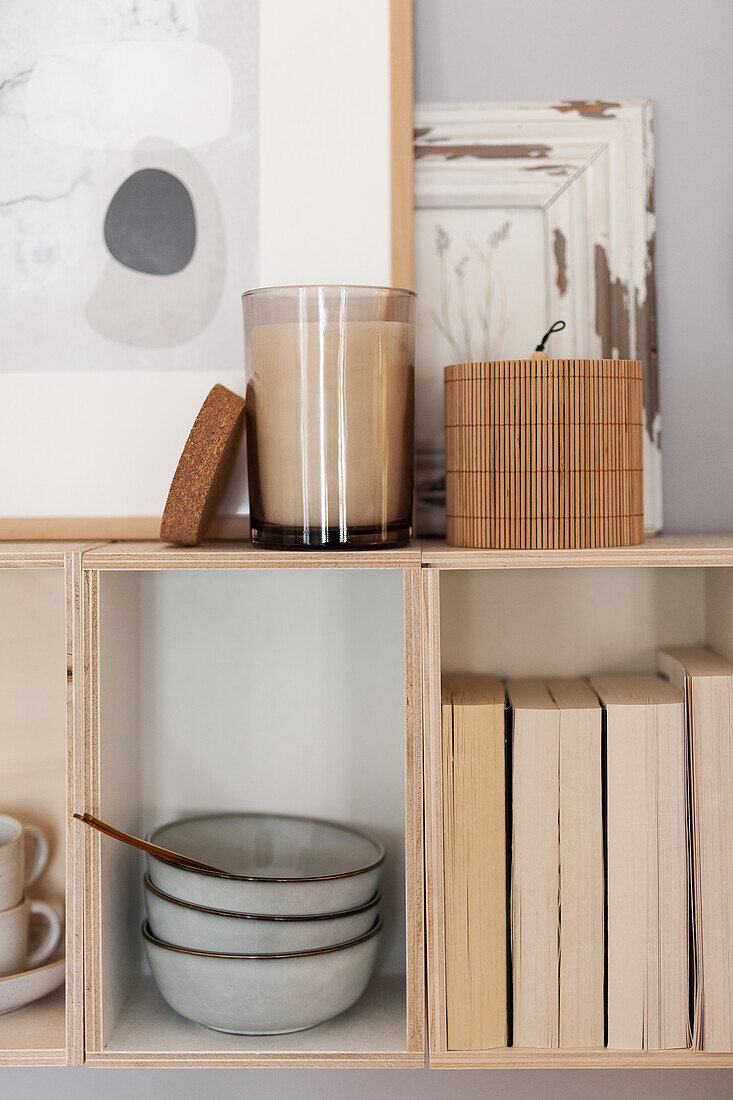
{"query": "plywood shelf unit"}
[(228, 677), (40, 683), (191, 671), (555, 613)]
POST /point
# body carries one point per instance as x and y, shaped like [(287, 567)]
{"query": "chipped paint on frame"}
[(612, 308), (588, 108), (437, 146), (559, 248)]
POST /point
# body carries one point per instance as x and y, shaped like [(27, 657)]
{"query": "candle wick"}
[(558, 326)]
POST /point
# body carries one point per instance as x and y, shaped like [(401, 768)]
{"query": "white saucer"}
[(17, 990)]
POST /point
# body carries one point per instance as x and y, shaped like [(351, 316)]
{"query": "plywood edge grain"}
[(38, 555), (414, 859), (664, 550), (75, 771), (433, 779), (515, 1058), (111, 1059), (53, 1056), (90, 803), (244, 555)]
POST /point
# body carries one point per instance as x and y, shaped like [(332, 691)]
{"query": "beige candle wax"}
[(330, 425)]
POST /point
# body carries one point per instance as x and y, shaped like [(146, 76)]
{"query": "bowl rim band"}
[(152, 833), (373, 931), (154, 889)]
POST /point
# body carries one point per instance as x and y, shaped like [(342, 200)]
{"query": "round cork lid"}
[(203, 468)]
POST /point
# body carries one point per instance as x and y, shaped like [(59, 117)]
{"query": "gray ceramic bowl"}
[(276, 865), (262, 994), (201, 929)]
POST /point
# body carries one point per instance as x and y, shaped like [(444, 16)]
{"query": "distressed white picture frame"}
[(586, 172)]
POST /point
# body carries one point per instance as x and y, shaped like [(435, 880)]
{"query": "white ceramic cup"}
[(14, 927), (17, 870)]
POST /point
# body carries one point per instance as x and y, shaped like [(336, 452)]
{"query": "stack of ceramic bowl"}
[(282, 939)]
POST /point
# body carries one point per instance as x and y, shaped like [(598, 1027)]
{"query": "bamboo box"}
[(544, 453)]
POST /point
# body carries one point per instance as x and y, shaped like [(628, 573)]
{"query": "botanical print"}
[(479, 299), (129, 197), (474, 330)]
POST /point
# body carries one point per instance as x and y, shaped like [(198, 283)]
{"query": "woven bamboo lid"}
[(203, 469)]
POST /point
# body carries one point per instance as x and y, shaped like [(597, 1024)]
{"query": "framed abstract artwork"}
[(160, 158), (526, 213)]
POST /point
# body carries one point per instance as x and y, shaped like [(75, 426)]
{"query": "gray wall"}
[(678, 54)]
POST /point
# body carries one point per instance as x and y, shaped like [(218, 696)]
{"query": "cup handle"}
[(40, 853), (45, 949)]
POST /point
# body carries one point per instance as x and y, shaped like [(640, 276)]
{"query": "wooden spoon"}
[(184, 862)]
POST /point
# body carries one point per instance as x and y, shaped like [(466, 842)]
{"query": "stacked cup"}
[(17, 872), (284, 937)]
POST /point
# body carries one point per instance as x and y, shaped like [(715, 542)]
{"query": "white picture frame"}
[(559, 198)]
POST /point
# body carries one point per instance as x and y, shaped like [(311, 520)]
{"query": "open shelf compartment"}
[(542, 613), (37, 686), (228, 678)]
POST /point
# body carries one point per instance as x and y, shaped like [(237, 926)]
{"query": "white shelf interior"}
[(572, 622), (376, 1023), (254, 690), (33, 772)]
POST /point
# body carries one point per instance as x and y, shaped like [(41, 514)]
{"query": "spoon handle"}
[(145, 846)]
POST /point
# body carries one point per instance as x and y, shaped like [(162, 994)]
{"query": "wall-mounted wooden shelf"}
[(555, 613), (160, 643), (664, 550)]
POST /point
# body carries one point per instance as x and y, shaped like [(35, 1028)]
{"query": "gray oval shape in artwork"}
[(150, 224)]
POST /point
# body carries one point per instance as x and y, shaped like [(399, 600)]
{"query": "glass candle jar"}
[(330, 413)]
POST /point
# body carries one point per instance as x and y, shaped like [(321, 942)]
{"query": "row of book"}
[(588, 846)]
